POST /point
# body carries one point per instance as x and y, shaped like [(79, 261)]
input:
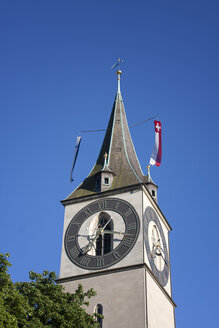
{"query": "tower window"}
[(99, 310), (106, 181), (153, 193), (104, 243)]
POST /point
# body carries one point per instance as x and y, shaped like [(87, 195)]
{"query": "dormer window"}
[(105, 177)]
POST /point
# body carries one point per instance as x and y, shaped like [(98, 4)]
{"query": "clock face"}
[(156, 246), (102, 233)]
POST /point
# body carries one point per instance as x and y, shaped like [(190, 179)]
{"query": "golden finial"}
[(148, 167), (118, 72), (117, 64), (105, 159)]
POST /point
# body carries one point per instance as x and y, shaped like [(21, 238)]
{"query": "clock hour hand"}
[(117, 232), (87, 236)]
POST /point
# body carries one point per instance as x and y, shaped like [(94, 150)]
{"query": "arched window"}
[(99, 310), (104, 243)]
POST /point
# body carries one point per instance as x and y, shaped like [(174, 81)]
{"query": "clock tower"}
[(116, 238)]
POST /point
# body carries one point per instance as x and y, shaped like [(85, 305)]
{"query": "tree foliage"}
[(41, 302)]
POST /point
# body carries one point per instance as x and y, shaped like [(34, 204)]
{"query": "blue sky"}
[(56, 80)]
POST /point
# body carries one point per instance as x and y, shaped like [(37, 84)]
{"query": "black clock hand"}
[(154, 253), (87, 236), (154, 250), (163, 258), (87, 248), (90, 244), (117, 232), (158, 246), (161, 249)]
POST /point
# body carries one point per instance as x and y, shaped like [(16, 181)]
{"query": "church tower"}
[(116, 238)]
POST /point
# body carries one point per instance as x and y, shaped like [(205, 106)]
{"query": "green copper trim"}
[(124, 143), (111, 137)]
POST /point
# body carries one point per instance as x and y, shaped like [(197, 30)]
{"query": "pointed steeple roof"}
[(121, 156)]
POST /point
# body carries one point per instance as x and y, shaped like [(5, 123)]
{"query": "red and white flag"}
[(157, 151)]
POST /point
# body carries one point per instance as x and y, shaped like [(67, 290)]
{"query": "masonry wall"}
[(122, 295)]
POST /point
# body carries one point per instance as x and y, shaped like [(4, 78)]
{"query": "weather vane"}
[(117, 64)]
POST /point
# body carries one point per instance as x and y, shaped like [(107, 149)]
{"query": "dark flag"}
[(77, 146), (117, 64)]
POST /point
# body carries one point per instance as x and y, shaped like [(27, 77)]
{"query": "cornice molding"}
[(115, 270)]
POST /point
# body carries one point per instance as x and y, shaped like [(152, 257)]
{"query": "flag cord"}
[(102, 130)]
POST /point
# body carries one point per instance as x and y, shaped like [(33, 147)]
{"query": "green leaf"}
[(41, 302)]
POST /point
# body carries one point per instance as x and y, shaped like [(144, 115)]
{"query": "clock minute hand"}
[(159, 248), (163, 258), (107, 223)]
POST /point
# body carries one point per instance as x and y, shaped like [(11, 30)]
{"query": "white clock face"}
[(110, 221), (156, 246)]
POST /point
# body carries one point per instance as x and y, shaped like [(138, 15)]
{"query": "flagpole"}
[(118, 78), (149, 174)]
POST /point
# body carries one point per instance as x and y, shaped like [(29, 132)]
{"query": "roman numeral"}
[(116, 255), (101, 205), (100, 262), (127, 242), (76, 223), (74, 252), (132, 226), (85, 261), (117, 205), (86, 211), (71, 238), (128, 212)]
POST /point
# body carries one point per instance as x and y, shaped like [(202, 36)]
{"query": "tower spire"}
[(123, 168)]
